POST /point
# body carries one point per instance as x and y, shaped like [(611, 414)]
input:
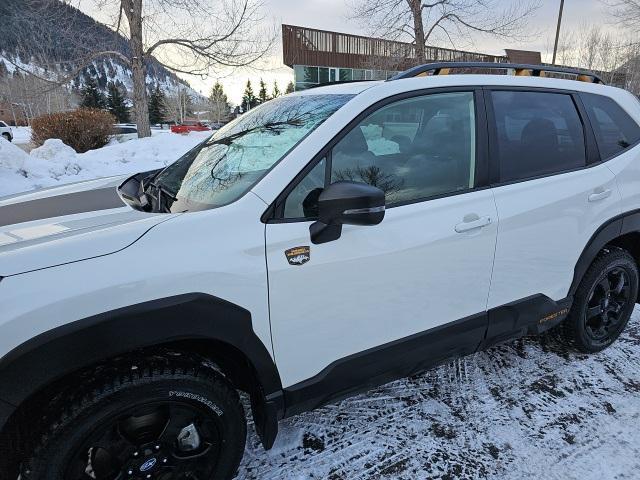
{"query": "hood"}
[(65, 224)]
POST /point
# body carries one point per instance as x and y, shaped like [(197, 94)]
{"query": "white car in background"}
[(5, 131)]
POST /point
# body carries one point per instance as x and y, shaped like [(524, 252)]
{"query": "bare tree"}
[(436, 22), (185, 36), (624, 12)]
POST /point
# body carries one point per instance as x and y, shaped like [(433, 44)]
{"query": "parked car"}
[(326, 242), (123, 132), (6, 131), (187, 127)]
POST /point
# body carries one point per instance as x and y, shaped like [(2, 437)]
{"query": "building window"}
[(306, 74), (324, 74), (346, 74)]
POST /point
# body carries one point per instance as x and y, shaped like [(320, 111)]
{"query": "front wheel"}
[(7, 137), (603, 302), (164, 418)]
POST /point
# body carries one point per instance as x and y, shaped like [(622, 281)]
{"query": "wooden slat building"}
[(342, 56), (320, 56)]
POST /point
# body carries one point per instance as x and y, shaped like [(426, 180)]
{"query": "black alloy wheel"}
[(603, 302), (606, 304), (163, 418), (162, 441)]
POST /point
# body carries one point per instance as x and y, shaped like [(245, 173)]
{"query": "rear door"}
[(550, 195)]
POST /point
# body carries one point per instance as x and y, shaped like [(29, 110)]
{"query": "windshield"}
[(228, 164)]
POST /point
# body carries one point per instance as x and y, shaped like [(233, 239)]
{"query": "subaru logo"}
[(148, 465)]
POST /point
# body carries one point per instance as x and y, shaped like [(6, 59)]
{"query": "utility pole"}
[(555, 46)]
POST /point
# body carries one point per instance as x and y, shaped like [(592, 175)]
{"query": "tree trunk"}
[(133, 11), (418, 30)]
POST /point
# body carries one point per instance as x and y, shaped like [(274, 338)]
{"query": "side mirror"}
[(346, 203)]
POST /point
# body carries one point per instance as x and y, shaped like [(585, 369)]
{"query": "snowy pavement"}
[(527, 409), (55, 163)]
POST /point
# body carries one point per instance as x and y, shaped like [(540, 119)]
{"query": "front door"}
[(428, 263)]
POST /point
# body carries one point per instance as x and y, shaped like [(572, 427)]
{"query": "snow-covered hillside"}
[(55, 163), (105, 71)]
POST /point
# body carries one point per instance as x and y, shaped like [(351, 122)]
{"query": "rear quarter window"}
[(614, 128)]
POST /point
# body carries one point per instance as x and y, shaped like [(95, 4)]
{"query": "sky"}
[(334, 15)]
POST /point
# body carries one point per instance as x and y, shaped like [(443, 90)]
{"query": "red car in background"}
[(187, 127)]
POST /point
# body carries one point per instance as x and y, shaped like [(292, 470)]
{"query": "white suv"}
[(323, 243), (5, 131)]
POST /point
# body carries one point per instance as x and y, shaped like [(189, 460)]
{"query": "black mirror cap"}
[(351, 203)]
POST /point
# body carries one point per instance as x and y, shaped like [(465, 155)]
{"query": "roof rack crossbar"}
[(536, 70)]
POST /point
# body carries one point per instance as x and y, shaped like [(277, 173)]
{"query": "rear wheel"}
[(163, 420), (603, 302)]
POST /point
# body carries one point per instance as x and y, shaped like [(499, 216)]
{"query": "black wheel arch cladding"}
[(195, 317), (622, 230)]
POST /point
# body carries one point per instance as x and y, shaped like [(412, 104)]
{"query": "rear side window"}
[(537, 133), (615, 130)]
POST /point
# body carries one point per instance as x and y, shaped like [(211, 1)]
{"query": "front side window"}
[(227, 165), (538, 133), (412, 149), (615, 130)]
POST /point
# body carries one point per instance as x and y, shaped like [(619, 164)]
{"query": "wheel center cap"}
[(148, 465)]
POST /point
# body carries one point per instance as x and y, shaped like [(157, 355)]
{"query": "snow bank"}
[(21, 135), (12, 176), (55, 163)]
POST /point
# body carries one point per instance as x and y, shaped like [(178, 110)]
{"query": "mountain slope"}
[(49, 37)]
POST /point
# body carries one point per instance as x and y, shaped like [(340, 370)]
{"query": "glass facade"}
[(310, 76)]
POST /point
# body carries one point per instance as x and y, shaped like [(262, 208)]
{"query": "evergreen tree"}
[(290, 88), (262, 93), (249, 99), (92, 97), (276, 91), (157, 106), (116, 104), (219, 103)]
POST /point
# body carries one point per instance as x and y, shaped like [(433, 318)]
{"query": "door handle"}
[(595, 197), (472, 222)]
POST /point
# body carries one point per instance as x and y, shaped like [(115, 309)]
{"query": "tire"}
[(598, 316), (127, 422), (7, 137)]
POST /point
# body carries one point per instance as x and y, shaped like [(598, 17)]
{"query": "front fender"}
[(54, 354)]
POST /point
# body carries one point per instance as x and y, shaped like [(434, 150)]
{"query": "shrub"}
[(83, 129)]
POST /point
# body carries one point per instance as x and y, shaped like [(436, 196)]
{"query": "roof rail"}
[(443, 68)]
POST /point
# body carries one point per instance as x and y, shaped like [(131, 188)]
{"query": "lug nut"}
[(157, 447), (165, 460), (136, 454)]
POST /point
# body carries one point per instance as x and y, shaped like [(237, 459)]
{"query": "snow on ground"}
[(21, 135), (55, 163), (527, 409)]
